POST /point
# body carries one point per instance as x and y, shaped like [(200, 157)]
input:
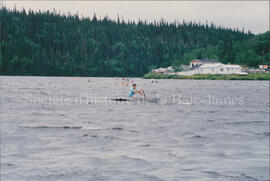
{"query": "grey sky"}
[(250, 15)]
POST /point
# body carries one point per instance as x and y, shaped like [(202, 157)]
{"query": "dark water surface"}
[(62, 128)]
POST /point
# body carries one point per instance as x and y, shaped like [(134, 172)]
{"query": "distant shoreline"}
[(251, 76)]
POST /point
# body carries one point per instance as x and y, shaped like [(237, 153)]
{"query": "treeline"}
[(47, 43)]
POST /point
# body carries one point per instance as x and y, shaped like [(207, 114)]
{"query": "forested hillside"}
[(46, 43)]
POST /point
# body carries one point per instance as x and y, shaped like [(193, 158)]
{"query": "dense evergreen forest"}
[(48, 43)]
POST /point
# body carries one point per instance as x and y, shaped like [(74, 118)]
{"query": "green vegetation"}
[(251, 76), (47, 43)]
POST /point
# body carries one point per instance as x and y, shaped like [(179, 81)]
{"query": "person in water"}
[(124, 82), (133, 91)]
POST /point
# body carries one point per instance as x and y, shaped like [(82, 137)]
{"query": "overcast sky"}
[(250, 15)]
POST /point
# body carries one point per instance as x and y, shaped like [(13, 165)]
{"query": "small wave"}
[(8, 164), (246, 111), (47, 108), (196, 136), (108, 129), (248, 177), (187, 169), (217, 174), (27, 88), (244, 122), (212, 173), (264, 134), (111, 137), (117, 128), (53, 127), (221, 155), (43, 93), (145, 145), (90, 135)]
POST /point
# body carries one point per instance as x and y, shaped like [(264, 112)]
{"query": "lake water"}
[(68, 129)]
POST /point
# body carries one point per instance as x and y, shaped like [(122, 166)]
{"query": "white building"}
[(218, 68)]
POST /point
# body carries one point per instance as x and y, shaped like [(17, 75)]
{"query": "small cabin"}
[(264, 67)]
